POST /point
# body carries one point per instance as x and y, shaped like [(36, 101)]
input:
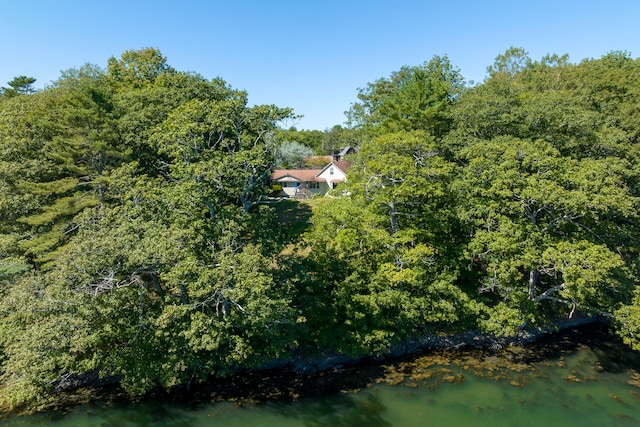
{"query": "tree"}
[(544, 228), (389, 246), (627, 321), (224, 147), (136, 68), (56, 147), (152, 292), (291, 155), (413, 98), (21, 85), (583, 110), (339, 137), (309, 138), (545, 236), (161, 276), (324, 142), (510, 63)]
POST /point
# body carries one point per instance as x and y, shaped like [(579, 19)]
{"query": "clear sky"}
[(309, 55)]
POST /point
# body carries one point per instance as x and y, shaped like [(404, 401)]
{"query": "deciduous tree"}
[(544, 228)]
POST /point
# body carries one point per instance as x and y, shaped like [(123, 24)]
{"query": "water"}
[(560, 384)]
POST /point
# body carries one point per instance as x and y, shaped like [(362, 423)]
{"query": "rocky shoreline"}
[(303, 377), (473, 340)]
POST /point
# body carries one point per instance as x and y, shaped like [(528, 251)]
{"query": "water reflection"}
[(149, 414), (346, 410), (118, 415), (579, 379)]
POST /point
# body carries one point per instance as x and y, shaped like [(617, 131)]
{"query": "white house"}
[(308, 182), (334, 173)]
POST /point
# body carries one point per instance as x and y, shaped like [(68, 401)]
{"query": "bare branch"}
[(546, 294)]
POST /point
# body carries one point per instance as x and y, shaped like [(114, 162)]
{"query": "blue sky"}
[(311, 56)]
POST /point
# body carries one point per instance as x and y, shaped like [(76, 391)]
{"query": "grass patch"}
[(294, 218)]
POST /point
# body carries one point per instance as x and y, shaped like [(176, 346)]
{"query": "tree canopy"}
[(412, 98), (21, 85), (138, 239)]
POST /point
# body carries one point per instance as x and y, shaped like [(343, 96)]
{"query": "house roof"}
[(344, 151), (302, 175), (306, 175), (342, 165)]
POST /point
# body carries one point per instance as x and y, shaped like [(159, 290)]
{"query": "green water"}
[(581, 387)]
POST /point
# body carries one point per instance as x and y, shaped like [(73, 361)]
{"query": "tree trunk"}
[(534, 275)]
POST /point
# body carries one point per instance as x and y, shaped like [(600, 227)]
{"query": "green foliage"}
[(138, 67), (627, 321), (501, 319), (539, 220), (413, 98), (583, 110), (291, 155), (323, 143), (510, 63), (56, 150), (223, 147), (137, 185), (389, 277), (313, 139), (137, 240), (21, 85), (550, 174)]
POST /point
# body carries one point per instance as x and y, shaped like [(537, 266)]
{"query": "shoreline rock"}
[(298, 376), (468, 340)]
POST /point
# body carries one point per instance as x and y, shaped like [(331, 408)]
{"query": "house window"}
[(331, 170), (289, 184), (315, 185)]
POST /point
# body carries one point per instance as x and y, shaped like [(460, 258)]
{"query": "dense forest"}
[(138, 240)]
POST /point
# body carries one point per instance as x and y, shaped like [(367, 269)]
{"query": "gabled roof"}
[(307, 175), (302, 175), (344, 151), (343, 166)]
